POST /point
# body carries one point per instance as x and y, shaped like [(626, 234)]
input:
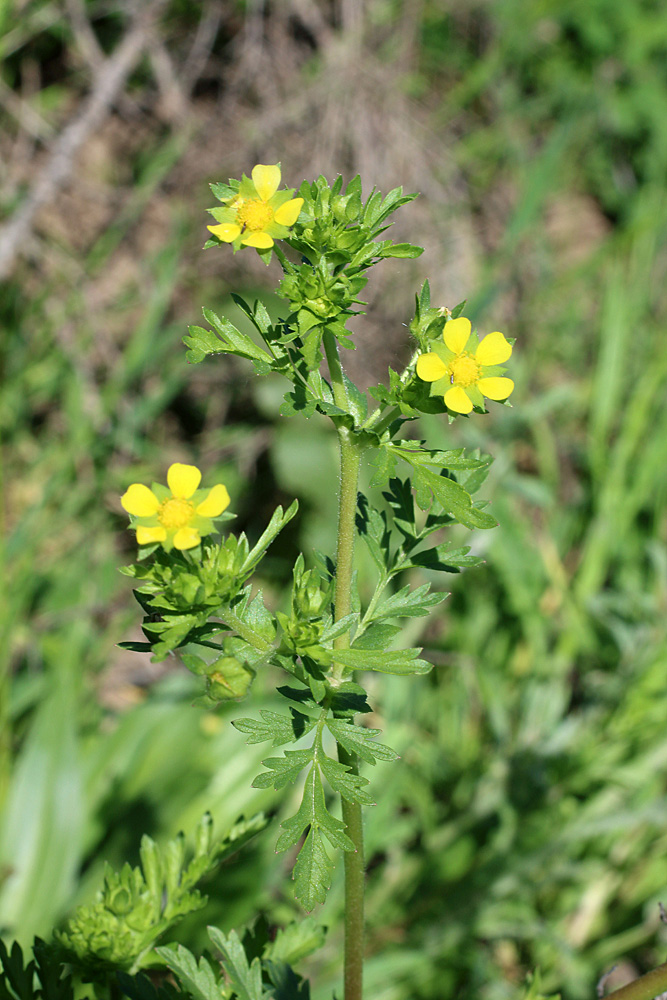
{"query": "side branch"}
[(646, 987)]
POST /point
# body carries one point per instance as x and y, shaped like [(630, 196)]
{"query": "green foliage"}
[(40, 979), (550, 655), (534, 991), (246, 967), (252, 968), (199, 599), (136, 906)]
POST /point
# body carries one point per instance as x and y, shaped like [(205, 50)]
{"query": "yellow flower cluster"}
[(259, 213), (463, 371), (176, 517)]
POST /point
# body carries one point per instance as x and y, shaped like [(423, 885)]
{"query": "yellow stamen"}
[(254, 215), (464, 370), (175, 513)]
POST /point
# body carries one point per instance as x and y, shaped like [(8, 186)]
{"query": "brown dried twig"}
[(58, 166)]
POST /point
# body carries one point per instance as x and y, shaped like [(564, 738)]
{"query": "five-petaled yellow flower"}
[(464, 370), (177, 517), (259, 213)]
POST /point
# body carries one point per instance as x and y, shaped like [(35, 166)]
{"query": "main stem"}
[(350, 458)]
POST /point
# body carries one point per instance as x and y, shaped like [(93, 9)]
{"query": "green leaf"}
[(15, 974), (376, 637), (399, 661), (225, 339), (279, 728), (258, 314), (272, 530), (244, 978), (313, 869), (358, 403), (140, 987), (223, 192), (296, 941), (384, 462), (359, 740), (255, 614), (407, 603), (403, 250), (335, 629), (372, 526), (444, 559), (452, 498), (299, 400), (197, 978), (350, 786), (283, 770), (287, 985), (239, 835)]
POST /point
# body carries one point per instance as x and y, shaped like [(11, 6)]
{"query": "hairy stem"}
[(645, 988), (350, 459), (354, 890)]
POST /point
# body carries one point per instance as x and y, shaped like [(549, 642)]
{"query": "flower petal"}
[(260, 240), (457, 400), (493, 350), (215, 502), (183, 480), (430, 367), (186, 538), (288, 213), (266, 180), (226, 231), (495, 388), (456, 334), (140, 501), (146, 536)]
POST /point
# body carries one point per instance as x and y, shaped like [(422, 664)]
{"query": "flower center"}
[(254, 214), (175, 513), (464, 370)]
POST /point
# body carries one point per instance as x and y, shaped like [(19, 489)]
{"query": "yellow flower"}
[(259, 213), (177, 517), (463, 371)]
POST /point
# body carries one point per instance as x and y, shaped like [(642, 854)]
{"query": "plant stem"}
[(354, 891), (645, 988), (350, 459)]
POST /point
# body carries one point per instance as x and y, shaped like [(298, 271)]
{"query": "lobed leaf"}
[(359, 740), (279, 728), (245, 978), (399, 661), (196, 976), (407, 603)]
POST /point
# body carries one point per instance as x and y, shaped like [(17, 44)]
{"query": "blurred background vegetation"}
[(525, 823)]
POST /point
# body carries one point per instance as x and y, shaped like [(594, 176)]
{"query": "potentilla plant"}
[(196, 589)]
